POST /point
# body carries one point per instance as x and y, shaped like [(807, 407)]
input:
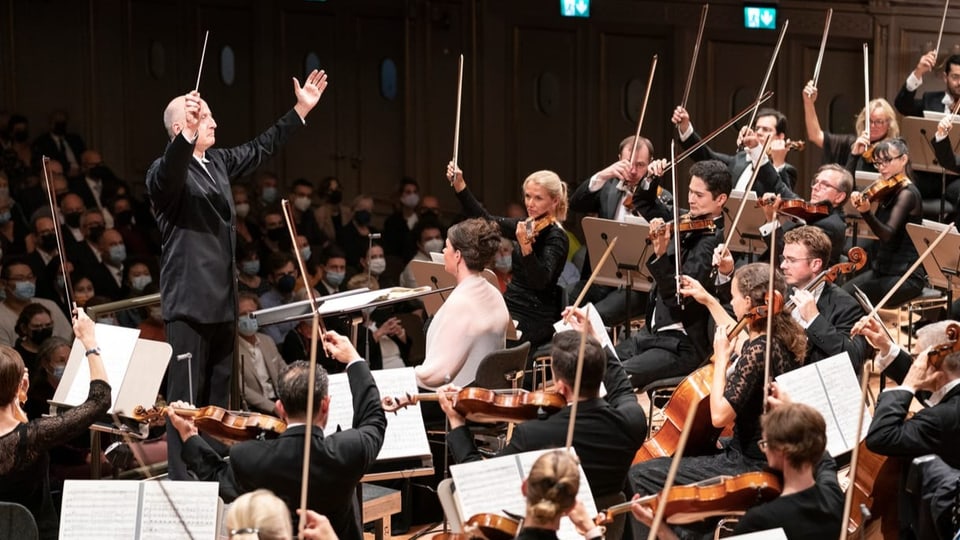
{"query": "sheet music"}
[(99, 509), (595, 321), (831, 387), (406, 436), (196, 507), (493, 485), (117, 344), (770, 534)]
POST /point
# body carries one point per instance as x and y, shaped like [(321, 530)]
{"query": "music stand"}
[(746, 238), (943, 264)]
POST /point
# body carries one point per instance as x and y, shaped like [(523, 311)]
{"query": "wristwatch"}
[(95, 350)]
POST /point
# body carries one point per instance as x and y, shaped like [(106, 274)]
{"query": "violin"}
[(694, 391), (880, 189), (687, 224), (789, 145), (226, 426), (489, 406), (716, 496), (936, 355), (857, 259), (491, 527), (535, 225), (800, 208)]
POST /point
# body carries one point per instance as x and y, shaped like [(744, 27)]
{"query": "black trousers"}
[(202, 380), (650, 357)]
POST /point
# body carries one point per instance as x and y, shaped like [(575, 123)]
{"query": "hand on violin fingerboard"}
[(184, 425), (445, 396), (859, 202), (524, 238), (770, 203), (455, 177), (944, 126), (659, 236)]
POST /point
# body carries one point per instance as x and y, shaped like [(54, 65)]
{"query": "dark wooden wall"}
[(540, 91)]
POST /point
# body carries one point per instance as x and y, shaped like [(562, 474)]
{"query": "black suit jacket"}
[(607, 433), (603, 202), (829, 333), (907, 103), (934, 430), (337, 462), (196, 216), (833, 225), (769, 180), (45, 145)]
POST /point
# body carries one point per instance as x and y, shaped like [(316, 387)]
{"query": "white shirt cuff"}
[(686, 134), (595, 183), (913, 82), (767, 228), (938, 138), (883, 362)]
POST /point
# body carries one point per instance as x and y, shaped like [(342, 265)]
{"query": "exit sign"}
[(575, 8), (761, 17)]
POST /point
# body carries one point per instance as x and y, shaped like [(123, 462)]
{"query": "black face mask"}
[(286, 284), (123, 218), (73, 219), (60, 128), (41, 335), (48, 242), (94, 234), (276, 234), (21, 136), (335, 197), (362, 217)]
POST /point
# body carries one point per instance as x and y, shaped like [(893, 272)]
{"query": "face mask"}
[(118, 253), (243, 209), (58, 371), (335, 197), (247, 326), (276, 234), (250, 268), (335, 278), (362, 217), (302, 203), (73, 219), (269, 194), (24, 290), (140, 282), (40, 335), (94, 233), (434, 245), (5, 217), (155, 313), (503, 263), (60, 128), (123, 218), (410, 200), (377, 266), (21, 136), (107, 320), (286, 284), (48, 242), (305, 253)]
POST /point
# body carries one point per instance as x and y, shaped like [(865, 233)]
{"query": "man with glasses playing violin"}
[(830, 189), (826, 312)]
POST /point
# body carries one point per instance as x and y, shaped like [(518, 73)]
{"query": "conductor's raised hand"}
[(309, 94), (339, 347), (85, 329), (192, 104), (446, 395)]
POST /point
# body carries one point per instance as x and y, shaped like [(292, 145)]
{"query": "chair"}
[(929, 298), (445, 492), (17, 522), (499, 369), (659, 391)]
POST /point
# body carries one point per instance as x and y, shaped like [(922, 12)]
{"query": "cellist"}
[(735, 398)]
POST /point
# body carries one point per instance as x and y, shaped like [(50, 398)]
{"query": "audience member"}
[(34, 326), (20, 286), (398, 238), (260, 360)]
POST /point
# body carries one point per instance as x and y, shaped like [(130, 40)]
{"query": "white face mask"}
[(243, 210), (434, 245), (377, 266), (410, 200), (302, 203)]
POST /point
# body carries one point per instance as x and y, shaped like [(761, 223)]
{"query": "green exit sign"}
[(761, 17), (575, 8)]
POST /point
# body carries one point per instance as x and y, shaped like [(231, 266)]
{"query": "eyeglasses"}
[(825, 184), (762, 443), (881, 122), (880, 162), (792, 261)]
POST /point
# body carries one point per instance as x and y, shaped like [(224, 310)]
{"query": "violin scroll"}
[(937, 354)]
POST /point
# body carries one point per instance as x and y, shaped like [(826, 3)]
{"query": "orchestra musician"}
[(675, 339), (898, 202), (906, 101), (608, 193), (838, 148), (533, 296), (24, 445), (943, 149), (609, 430), (737, 396), (831, 186), (779, 178), (551, 493), (338, 461), (794, 440), (827, 313)]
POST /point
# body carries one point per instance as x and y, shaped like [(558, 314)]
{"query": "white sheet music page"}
[(406, 436), (187, 510), (116, 350), (831, 387), (493, 485), (99, 509)]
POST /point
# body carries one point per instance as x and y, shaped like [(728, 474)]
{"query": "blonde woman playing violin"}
[(887, 209), (533, 297)]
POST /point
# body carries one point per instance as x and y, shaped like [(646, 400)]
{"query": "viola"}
[(936, 355), (857, 259), (880, 189), (227, 426), (694, 391), (488, 406), (798, 208), (721, 495), (491, 527), (876, 486)]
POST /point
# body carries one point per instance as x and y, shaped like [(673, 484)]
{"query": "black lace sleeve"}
[(744, 382), (905, 205), (44, 433), (473, 208)]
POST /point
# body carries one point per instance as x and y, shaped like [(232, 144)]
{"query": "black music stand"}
[(856, 227)]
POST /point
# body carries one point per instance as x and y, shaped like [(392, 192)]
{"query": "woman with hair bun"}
[(551, 493), (473, 319), (533, 297)]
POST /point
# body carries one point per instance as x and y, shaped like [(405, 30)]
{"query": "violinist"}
[(826, 312), (829, 191), (25, 445), (339, 459), (533, 296), (675, 339), (780, 177), (608, 193), (898, 202), (906, 101), (838, 148), (932, 430), (736, 395), (609, 430), (810, 506), (551, 493)]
